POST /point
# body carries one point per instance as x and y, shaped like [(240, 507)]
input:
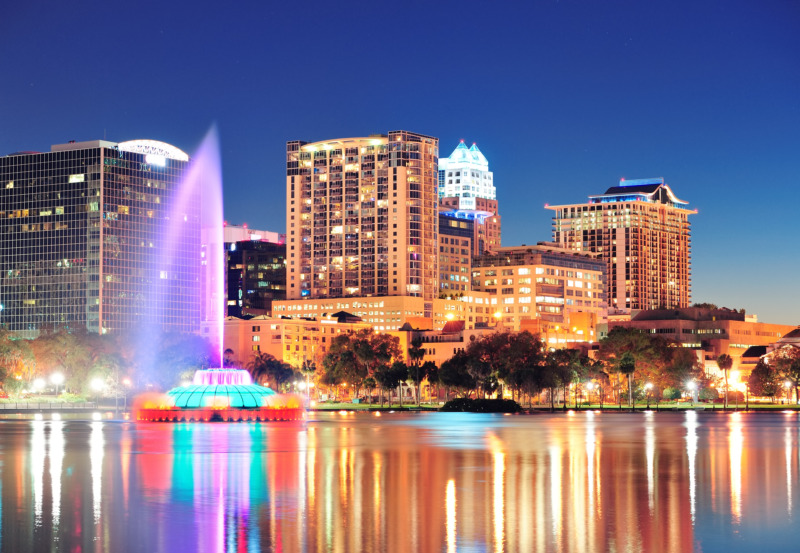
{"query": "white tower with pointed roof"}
[(465, 175)]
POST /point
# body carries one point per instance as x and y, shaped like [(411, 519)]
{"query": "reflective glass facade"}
[(84, 241)]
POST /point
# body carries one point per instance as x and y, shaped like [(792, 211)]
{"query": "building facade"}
[(465, 175), (88, 239), (709, 332), (455, 254), (467, 191), (290, 340), (642, 231), (544, 288), (386, 313), (256, 270), (361, 217)]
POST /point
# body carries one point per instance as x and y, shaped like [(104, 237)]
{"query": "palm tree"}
[(415, 355), (725, 362), (627, 366)]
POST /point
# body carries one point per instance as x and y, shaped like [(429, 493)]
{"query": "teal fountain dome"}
[(222, 395), (221, 388)]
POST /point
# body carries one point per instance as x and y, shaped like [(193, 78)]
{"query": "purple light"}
[(222, 377)]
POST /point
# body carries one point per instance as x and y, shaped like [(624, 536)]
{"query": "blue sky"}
[(564, 99)]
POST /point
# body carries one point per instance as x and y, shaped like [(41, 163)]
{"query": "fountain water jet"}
[(215, 394)]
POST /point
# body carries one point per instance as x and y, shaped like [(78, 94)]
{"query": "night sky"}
[(564, 99)]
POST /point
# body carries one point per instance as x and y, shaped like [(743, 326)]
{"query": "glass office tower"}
[(84, 241)]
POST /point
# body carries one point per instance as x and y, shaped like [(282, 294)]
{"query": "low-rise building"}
[(710, 332), (544, 288), (386, 313), (291, 340)]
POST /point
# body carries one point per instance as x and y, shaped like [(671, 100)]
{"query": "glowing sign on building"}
[(154, 150)]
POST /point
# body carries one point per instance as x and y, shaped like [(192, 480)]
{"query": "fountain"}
[(215, 394)]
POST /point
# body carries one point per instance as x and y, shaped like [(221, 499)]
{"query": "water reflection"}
[(438, 482)]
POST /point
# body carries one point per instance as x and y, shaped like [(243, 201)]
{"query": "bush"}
[(708, 394), (468, 405), (672, 394)]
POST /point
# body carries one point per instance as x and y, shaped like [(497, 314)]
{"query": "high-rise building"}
[(361, 217), (256, 270), (642, 231), (455, 254), (84, 242), (465, 175), (467, 191)]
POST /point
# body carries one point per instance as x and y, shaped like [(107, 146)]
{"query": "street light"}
[(648, 387), (127, 383), (57, 379), (97, 386), (589, 388), (691, 386), (786, 385)]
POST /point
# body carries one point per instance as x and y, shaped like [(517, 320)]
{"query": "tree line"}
[(131, 361), (629, 365)]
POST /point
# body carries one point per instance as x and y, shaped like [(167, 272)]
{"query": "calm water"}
[(404, 482)]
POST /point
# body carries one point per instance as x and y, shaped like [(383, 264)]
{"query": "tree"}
[(764, 380), (454, 373), (556, 372), (521, 364), (627, 365), (787, 363), (683, 366), (430, 372), (355, 356), (390, 377), (415, 355), (725, 362), (264, 368), (650, 353)]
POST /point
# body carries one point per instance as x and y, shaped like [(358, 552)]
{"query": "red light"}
[(622, 180), (224, 223), (546, 205), (462, 140), (245, 225)]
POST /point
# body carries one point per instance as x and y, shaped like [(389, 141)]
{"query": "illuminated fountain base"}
[(227, 395)]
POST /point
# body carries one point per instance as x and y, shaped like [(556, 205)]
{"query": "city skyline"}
[(564, 100)]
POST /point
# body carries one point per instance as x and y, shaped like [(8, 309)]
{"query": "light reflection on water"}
[(403, 482)]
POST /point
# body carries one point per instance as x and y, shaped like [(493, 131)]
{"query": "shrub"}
[(672, 394), (708, 394), (464, 404)]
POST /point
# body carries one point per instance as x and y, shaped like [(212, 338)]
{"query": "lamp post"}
[(647, 388), (57, 379), (97, 386), (589, 388), (127, 383), (691, 386), (787, 385)]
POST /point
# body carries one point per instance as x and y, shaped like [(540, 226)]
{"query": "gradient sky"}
[(564, 99)]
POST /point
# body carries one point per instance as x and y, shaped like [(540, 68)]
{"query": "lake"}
[(443, 482)]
